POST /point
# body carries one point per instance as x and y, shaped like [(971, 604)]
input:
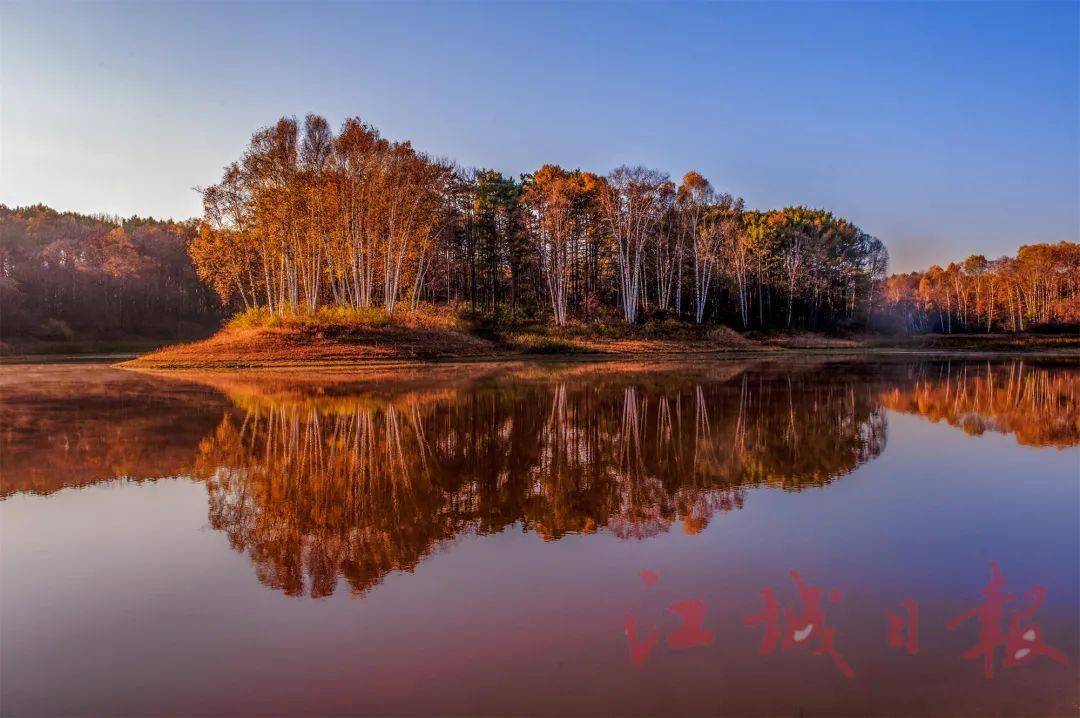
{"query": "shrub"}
[(537, 344), (501, 318), (56, 330)]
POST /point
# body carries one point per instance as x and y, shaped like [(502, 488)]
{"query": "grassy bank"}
[(344, 336)]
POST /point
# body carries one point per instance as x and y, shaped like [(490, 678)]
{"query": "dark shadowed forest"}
[(70, 277)]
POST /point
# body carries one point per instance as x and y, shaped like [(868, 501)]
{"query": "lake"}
[(794, 536)]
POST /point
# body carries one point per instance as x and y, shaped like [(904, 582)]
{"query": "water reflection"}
[(70, 425), (319, 479), (357, 486), (853, 559), (1040, 406)]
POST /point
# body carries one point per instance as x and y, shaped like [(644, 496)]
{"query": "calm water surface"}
[(797, 537)]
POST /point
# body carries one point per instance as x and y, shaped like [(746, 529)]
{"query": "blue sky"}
[(941, 128)]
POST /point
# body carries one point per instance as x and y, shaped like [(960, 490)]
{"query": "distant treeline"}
[(309, 217), (1038, 288), (67, 276)]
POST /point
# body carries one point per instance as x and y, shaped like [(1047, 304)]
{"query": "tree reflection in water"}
[(355, 486), (321, 479), (1040, 406)]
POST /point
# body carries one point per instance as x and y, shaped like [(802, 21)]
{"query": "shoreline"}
[(382, 349), (365, 365)]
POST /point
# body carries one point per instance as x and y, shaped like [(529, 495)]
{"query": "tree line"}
[(1039, 287), (66, 276), (307, 217)]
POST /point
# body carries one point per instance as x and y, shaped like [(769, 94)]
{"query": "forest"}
[(308, 218), (1038, 288), (68, 277)]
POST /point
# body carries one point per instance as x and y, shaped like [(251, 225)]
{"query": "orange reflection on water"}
[(1038, 405), (357, 486)]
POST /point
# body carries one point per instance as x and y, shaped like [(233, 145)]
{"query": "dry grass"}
[(811, 340), (307, 345), (530, 343), (344, 319), (666, 337)]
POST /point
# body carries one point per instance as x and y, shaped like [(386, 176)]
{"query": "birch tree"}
[(554, 197), (630, 200)]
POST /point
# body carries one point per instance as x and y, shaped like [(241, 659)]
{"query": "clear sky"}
[(941, 128)]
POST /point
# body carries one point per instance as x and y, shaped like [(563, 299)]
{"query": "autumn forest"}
[(309, 218), (65, 276)]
